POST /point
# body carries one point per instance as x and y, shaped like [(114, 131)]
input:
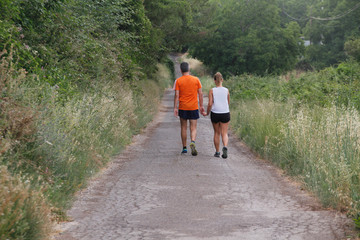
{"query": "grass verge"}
[(318, 145)]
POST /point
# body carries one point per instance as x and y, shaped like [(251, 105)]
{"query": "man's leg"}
[(193, 125), (183, 124)]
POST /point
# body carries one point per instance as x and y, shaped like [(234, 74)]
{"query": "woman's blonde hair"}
[(218, 77)]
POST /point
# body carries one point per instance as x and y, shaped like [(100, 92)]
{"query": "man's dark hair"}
[(184, 66)]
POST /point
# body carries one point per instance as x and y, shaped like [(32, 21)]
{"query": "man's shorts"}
[(186, 114), (220, 117)]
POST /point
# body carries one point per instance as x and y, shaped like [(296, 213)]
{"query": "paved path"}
[(153, 192)]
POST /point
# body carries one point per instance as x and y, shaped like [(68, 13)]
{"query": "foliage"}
[(308, 124), (352, 48), (176, 22), (357, 221), (339, 86), (264, 36), (247, 37), (75, 85), (328, 24)]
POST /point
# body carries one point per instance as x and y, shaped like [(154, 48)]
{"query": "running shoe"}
[(224, 155), (193, 149), (184, 151), (217, 154)]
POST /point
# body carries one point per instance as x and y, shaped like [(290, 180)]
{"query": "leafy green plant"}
[(357, 221)]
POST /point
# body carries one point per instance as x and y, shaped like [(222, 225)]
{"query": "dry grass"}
[(17, 120), (196, 67), (24, 213)]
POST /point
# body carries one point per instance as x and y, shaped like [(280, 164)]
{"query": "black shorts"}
[(220, 117), (189, 114)]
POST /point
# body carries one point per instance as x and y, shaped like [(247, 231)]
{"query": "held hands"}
[(202, 111)]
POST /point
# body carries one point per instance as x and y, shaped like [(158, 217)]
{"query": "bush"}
[(340, 86)]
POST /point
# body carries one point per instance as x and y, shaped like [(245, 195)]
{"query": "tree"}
[(246, 36), (177, 21), (331, 24), (352, 48)]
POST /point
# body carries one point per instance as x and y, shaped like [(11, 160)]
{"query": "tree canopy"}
[(247, 36), (328, 24)]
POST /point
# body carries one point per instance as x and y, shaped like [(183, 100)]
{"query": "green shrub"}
[(340, 86)]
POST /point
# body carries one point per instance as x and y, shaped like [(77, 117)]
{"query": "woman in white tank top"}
[(218, 105)]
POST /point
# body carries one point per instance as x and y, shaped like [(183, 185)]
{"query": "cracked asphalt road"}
[(151, 191)]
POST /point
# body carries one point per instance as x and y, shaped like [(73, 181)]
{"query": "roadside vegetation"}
[(79, 78), (309, 125), (293, 103)]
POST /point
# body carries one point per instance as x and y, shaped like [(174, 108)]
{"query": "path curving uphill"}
[(151, 191)]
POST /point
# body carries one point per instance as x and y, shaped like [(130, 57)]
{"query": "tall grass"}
[(318, 145), (24, 213)]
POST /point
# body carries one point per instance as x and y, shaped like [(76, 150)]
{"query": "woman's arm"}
[(211, 100), (228, 97)]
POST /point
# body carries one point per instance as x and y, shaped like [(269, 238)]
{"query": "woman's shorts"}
[(189, 114), (220, 117)]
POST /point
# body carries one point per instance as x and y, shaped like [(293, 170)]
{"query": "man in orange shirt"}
[(186, 105)]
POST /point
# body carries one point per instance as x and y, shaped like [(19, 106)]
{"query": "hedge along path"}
[(151, 191)]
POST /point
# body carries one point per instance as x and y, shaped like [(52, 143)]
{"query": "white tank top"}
[(220, 104)]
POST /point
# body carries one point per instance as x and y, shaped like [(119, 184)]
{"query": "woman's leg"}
[(224, 133), (216, 127)]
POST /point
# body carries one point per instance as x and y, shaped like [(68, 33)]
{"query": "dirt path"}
[(153, 192)]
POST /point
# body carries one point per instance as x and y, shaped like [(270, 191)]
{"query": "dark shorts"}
[(193, 114), (220, 117)]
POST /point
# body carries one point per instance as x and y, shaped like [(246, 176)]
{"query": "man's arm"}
[(176, 101), (201, 101)]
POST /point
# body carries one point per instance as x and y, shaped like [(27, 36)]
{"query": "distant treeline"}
[(265, 37)]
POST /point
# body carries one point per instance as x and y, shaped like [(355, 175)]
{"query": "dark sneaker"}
[(184, 151), (217, 154), (224, 155), (193, 150)]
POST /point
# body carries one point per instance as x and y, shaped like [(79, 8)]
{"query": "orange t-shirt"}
[(188, 87)]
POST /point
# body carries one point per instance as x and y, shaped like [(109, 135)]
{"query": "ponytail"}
[(218, 78)]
